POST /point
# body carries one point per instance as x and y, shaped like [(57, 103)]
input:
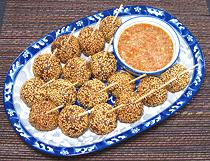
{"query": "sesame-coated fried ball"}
[(42, 121), (89, 94), (152, 83), (91, 44), (103, 65), (132, 111), (66, 49), (31, 92), (180, 83), (102, 119), (122, 78), (76, 70), (61, 92), (108, 28), (70, 123), (47, 68)]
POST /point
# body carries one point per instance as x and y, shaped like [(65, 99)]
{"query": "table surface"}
[(184, 136)]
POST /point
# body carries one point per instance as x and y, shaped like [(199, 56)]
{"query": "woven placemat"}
[(2, 8)]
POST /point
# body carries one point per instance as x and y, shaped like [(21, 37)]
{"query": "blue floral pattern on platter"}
[(32, 50)]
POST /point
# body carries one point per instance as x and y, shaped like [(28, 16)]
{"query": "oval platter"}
[(56, 143)]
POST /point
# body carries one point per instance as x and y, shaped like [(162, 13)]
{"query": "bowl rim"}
[(173, 36)]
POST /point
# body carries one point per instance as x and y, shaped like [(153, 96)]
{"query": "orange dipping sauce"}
[(145, 47)]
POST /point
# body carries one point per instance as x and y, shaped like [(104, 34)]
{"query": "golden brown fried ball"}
[(47, 67), (132, 110), (122, 79), (31, 91), (62, 92), (180, 83), (102, 119), (66, 49), (91, 44), (70, 123), (77, 71), (152, 83), (108, 28), (103, 65), (42, 121), (89, 94)]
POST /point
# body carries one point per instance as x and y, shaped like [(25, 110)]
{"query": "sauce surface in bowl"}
[(145, 47)]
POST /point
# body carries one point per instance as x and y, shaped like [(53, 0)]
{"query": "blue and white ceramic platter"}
[(56, 143)]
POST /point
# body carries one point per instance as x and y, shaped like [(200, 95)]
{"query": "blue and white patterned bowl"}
[(155, 21)]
